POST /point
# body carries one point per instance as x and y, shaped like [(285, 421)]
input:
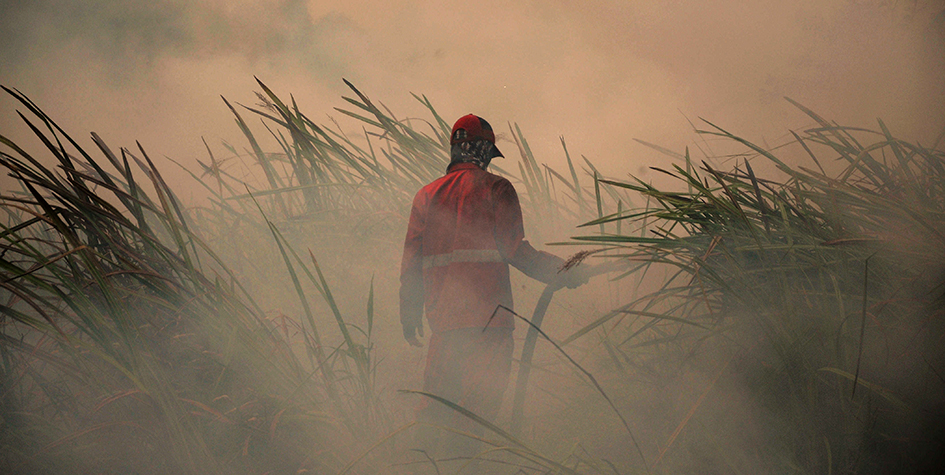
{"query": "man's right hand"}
[(410, 334)]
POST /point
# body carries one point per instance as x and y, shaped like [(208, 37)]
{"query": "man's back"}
[(464, 230)]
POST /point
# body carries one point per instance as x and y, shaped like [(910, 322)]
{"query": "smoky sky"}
[(598, 73), (128, 37)]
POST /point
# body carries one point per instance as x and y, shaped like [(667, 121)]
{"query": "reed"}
[(827, 289), (133, 326), (128, 345)]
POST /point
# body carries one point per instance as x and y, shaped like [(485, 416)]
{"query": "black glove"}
[(574, 277), (411, 331)]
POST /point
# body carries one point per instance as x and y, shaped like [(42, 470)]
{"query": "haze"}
[(598, 73)]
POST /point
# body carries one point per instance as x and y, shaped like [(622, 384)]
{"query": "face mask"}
[(481, 152)]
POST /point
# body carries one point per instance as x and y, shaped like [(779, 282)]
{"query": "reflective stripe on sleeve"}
[(462, 255)]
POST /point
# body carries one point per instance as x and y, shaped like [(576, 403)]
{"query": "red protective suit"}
[(465, 229)]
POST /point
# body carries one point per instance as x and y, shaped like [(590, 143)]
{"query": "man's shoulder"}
[(495, 177), (500, 185), (433, 185), (500, 182), (488, 177), (475, 177)]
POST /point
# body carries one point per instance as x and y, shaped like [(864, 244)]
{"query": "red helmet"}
[(471, 127)]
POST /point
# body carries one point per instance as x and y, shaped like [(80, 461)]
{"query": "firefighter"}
[(465, 229)]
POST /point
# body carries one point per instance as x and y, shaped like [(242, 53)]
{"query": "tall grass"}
[(128, 345), (325, 178), (827, 290), (132, 327)]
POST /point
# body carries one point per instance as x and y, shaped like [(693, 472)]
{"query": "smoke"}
[(600, 75)]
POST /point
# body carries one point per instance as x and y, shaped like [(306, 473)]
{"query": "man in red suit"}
[(465, 229)]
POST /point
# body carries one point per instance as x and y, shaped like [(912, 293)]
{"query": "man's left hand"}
[(573, 277)]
